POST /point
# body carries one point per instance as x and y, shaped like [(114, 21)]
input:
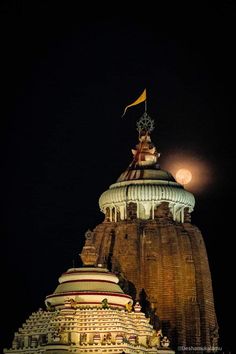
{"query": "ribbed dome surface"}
[(146, 191)]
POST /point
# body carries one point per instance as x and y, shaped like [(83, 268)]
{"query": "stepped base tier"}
[(89, 313)]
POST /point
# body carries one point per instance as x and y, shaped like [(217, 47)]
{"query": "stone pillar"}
[(26, 341), (153, 208)]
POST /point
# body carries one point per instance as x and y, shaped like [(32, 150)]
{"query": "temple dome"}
[(144, 186), (154, 173), (88, 286)]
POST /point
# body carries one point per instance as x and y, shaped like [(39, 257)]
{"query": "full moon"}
[(183, 176), (189, 169)]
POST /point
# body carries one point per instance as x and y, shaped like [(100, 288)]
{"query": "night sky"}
[(66, 76)]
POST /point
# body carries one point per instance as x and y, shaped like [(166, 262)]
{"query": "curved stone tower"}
[(147, 238)]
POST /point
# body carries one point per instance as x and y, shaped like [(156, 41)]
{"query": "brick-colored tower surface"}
[(147, 238)]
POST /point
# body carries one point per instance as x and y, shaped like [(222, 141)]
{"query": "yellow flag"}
[(141, 98)]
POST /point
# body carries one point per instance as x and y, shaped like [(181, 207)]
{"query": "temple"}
[(89, 313), (148, 240), (145, 256)]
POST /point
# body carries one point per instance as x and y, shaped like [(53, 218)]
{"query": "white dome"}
[(147, 194), (146, 190), (88, 287)]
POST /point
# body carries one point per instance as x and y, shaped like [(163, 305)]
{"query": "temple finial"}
[(145, 153), (89, 253), (145, 124)]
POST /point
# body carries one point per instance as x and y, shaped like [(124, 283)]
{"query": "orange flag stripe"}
[(141, 98)]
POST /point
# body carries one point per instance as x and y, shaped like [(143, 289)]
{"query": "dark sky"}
[(66, 76)]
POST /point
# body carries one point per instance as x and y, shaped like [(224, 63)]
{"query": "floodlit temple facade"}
[(156, 259), (148, 240)]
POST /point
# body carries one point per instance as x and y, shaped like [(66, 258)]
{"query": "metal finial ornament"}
[(145, 123)]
